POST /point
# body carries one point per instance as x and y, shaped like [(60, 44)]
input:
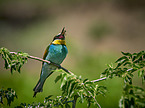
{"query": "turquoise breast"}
[(57, 53)]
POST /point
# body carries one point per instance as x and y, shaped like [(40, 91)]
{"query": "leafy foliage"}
[(9, 94), (74, 88), (133, 96), (14, 61), (48, 103)]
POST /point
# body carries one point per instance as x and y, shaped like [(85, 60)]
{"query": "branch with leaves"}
[(127, 65), (15, 60), (74, 88), (9, 94)]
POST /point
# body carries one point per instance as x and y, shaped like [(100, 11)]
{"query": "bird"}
[(56, 52)]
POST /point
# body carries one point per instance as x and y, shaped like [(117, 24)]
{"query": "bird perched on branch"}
[(55, 53)]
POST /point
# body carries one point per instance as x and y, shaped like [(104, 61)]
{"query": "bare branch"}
[(101, 79)]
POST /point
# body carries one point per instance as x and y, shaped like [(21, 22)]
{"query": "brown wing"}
[(46, 52)]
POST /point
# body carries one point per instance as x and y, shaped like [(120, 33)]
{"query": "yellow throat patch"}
[(60, 42)]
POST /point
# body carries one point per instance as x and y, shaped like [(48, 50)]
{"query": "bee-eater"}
[(55, 53)]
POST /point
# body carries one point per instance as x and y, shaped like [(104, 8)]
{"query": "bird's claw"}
[(59, 66)]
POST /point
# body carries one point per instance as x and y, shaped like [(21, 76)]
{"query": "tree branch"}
[(42, 60), (58, 66), (101, 79), (74, 101), (91, 96)]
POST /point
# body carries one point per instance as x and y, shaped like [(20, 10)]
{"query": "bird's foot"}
[(59, 66)]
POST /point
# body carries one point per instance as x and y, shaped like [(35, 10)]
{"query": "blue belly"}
[(57, 53)]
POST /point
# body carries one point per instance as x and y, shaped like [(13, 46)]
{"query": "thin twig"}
[(58, 66), (74, 101), (92, 96), (101, 79), (42, 60)]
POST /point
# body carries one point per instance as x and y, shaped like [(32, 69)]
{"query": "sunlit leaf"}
[(64, 87), (71, 88), (68, 86), (63, 80), (121, 59)]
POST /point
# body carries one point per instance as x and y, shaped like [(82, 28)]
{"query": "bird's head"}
[(60, 36)]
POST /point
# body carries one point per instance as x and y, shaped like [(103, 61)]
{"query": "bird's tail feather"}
[(38, 87)]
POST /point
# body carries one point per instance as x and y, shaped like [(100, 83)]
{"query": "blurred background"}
[(97, 32)]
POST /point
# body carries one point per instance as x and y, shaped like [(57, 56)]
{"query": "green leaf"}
[(58, 78), (89, 82), (12, 60), (48, 97), (140, 73), (64, 87), (23, 54), (134, 58), (128, 79), (118, 65), (63, 79), (67, 105), (0, 50), (85, 80), (19, 68), (127, 54), (139, 54), (127, 63), (9, 94), (68, 86), (144, 56), (81, 97), (71, 88), (11, 70), (121, 59)]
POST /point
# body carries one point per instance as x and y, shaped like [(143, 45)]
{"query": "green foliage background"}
[(119, 25)]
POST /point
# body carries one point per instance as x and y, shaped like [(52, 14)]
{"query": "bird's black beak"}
[(63, 31)]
